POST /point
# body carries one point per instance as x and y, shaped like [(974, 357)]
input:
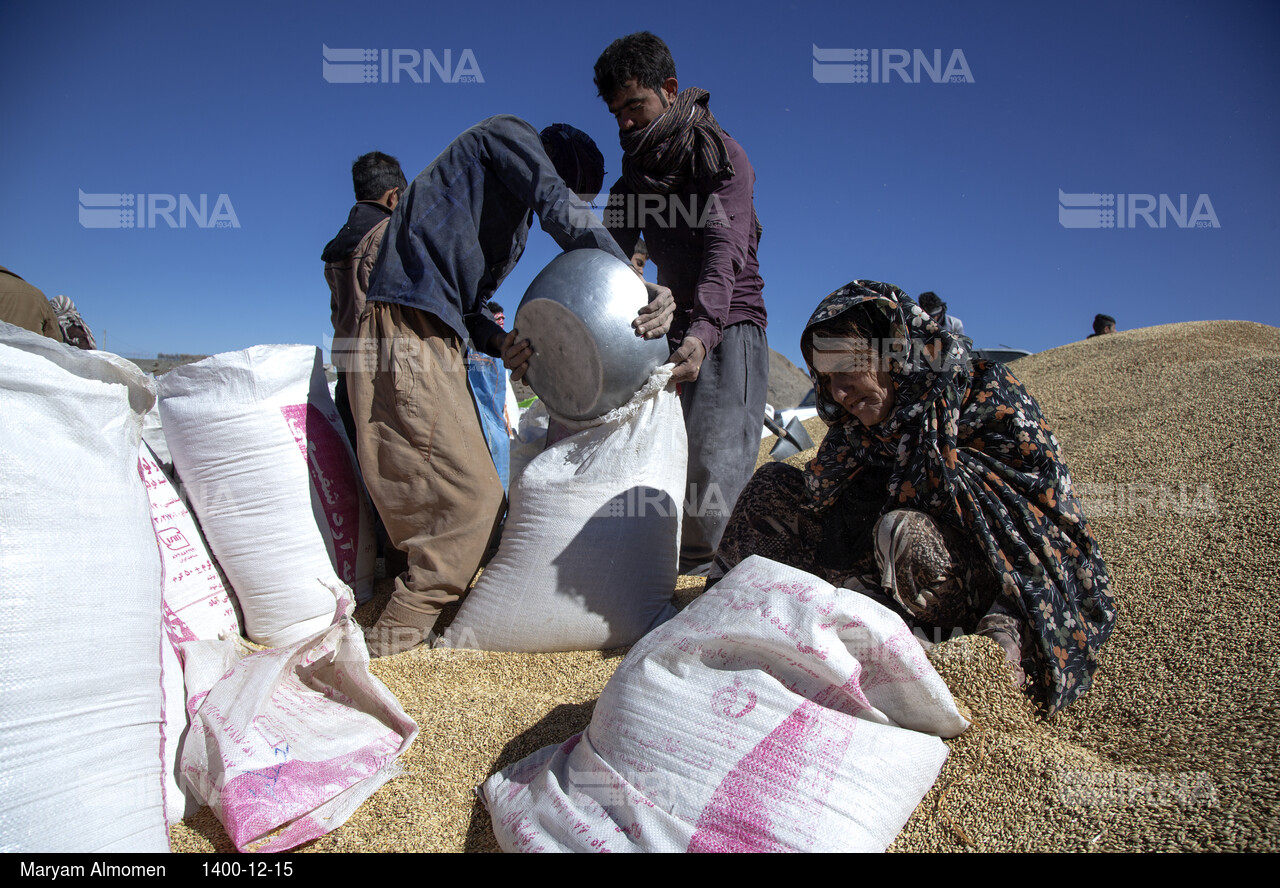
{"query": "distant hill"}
[(788, 384), (163, 363)]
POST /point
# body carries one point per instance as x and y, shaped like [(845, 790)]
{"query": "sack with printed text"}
[(196, 604), (775, 713), (286, 743)]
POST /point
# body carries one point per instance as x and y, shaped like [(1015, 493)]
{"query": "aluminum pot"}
[(577, 314)]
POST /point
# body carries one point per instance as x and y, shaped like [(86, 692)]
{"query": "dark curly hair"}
[(641, 57)]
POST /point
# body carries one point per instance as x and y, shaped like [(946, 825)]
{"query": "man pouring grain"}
[(457, 232), (688, 187)]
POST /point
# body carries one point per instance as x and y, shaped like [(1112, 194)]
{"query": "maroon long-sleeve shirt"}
[(703, 240)]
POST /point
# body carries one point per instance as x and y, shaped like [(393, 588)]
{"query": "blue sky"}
[(950, 186)]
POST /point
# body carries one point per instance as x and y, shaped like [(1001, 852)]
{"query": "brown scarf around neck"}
[(685, 141)]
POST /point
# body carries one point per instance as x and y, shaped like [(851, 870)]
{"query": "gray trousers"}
[(724, 418)]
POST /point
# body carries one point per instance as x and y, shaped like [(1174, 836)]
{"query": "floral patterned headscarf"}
[(966, 444), (921, 356)]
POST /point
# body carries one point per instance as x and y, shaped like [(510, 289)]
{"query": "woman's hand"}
[(924, 602)]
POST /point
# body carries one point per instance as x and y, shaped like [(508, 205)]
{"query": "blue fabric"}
[(488, 381)]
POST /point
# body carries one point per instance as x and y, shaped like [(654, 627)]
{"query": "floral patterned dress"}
[(968, 447)]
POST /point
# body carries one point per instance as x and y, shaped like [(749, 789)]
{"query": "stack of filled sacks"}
[(78, 420)]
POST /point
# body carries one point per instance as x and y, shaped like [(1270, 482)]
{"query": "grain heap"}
[(1171, 436), (1172, 441)]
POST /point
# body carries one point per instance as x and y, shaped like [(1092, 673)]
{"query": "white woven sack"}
[(153, 436), (589, 553), (81, 709), (295, 737), (775, 713), (268, 471), (179, 801), (196, 604), (512, 406)]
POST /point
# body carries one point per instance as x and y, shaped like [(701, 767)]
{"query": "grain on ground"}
[(1171, 437)]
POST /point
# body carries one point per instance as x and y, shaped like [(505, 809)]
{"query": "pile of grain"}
[(1171, 435)]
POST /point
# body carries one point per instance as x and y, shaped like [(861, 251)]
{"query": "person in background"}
[(456, 234), (639, 256), (349, 260), (74, 330), (937, 309), (24, 306), (674, 152), (510, 406), (1102, 325)]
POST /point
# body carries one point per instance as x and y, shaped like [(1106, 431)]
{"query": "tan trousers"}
[(423, 455)]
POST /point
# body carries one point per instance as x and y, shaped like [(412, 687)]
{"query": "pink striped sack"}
[(775, 713), (286, 743), (196, 604)]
